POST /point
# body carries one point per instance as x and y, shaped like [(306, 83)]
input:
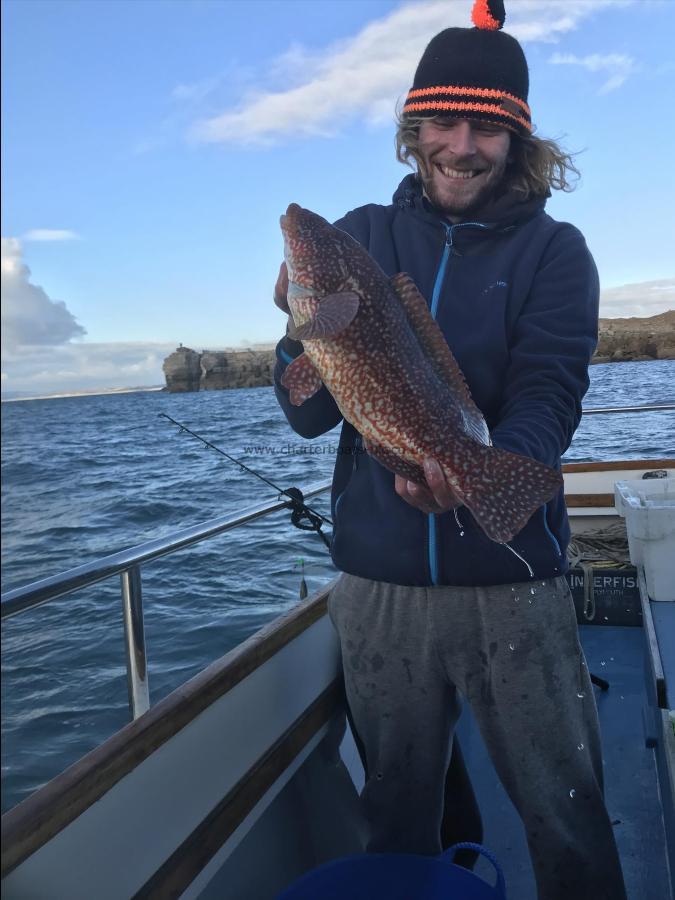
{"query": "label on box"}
[(616, 596)]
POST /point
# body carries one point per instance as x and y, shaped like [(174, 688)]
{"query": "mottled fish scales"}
[(374, 344)]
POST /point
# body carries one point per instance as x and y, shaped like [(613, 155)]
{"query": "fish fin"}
[(302, 307), (301, 379), (504, 489), (395, 463), (435, 347), (334, 313)]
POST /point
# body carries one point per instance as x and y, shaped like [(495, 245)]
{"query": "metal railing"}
[(127, 564), (657, 407)]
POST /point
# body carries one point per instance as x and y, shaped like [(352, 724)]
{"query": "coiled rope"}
[(598, 549)]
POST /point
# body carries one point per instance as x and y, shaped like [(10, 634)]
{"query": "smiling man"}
[(461, 163), (430, 612)]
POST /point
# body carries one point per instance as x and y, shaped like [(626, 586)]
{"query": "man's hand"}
[(281, 290), (437, 497)]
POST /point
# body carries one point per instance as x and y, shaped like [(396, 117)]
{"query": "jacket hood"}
[(503, 211)]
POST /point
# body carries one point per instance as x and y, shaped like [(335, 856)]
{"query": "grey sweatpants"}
[(512, 651)]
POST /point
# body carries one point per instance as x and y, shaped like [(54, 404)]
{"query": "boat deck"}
[(630, 775)]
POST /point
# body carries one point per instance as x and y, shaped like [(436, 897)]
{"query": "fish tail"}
[(501, 489)]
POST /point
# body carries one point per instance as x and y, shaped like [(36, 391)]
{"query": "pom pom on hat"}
[(474, 73), (488, 14)]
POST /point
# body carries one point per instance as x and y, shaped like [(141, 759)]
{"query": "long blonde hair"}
[(536, 165)]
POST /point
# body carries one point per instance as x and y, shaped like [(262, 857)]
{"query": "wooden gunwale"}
[(585, 500), (579, 501), (45, 813), (616, 465), (191, 857)]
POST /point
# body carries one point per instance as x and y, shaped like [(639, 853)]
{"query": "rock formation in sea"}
[(182, 370), (621, 340), (215, 370)]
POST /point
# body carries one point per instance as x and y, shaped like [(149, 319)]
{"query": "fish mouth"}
[(290, 227), (286, 220)]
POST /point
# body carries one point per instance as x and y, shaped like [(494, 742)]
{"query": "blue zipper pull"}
[(440, 274)]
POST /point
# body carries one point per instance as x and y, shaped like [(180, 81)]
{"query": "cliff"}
[(621, 340), (215, 370)]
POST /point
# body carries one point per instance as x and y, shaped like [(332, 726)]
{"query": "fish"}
[(372, 341)]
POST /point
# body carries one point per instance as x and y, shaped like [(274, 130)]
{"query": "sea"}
[(87, 476)]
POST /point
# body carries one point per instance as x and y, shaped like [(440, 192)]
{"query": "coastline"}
[(100, 393)]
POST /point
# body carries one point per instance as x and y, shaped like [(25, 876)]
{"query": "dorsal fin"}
[(435, 347)]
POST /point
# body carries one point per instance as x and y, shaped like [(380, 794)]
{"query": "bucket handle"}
[(449, 854)]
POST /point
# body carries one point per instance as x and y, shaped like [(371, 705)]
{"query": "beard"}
[(458, 198)]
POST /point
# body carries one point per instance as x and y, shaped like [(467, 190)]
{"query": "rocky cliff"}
[(182, 370), (621, 340), (214, 370)]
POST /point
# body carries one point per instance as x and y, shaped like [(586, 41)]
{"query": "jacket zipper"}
[(432, 531), (547, 529), (435, 295)]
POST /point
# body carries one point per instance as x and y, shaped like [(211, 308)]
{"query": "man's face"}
[(463, 162)]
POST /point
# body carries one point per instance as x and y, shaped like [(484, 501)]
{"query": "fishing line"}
[(299, 509)]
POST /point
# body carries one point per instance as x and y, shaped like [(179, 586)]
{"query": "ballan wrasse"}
[(374, 344)]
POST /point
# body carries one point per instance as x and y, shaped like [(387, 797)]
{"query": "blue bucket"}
[(397, 876)]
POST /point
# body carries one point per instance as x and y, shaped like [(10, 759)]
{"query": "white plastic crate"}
[(648, 506)]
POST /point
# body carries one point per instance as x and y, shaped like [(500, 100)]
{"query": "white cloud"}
[(50, 234), (365, 75), (29, 316), (196, 91), (648, 298), (84, 366), (617, 65)]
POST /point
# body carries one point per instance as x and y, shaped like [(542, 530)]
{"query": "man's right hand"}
[(281, 290), (435, 497)]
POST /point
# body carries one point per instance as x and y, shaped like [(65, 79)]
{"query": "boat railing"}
[(127, 564), (657, 407)]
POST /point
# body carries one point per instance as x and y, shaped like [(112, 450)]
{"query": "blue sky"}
[(148, 149)]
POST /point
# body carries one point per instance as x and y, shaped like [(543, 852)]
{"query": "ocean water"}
[(84, 477)]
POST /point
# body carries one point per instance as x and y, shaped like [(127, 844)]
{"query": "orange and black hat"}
[(474, 73)]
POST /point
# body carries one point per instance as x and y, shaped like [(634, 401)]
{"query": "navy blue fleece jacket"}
[(516, 296)]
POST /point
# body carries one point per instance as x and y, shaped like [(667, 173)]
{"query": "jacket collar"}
[(504, 211)]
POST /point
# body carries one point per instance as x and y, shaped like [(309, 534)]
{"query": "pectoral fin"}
[(301, 379), (334, 313)]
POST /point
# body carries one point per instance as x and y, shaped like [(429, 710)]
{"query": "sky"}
[(149, 148)]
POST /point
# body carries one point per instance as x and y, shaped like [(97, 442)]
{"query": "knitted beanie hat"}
[(474, 73)]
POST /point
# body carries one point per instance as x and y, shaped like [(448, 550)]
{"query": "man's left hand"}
[(436, 497)]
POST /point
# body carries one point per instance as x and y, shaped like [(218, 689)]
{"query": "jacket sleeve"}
[(551, 345), (315, 416)]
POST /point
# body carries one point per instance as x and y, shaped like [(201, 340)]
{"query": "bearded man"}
[(427, 608)]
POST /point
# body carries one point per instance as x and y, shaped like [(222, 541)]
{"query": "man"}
[(428, 608)]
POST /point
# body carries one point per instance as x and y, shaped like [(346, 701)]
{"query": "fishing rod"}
[(299, 509)]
